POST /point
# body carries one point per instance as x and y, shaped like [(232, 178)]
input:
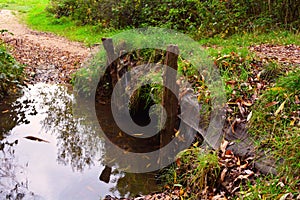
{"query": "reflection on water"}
[(67, 162)]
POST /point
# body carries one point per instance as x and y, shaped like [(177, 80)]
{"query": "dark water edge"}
[(47, 152)]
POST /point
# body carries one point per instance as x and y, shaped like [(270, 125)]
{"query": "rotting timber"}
[(121, 62)]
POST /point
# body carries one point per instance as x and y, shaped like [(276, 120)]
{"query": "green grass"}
[(194, 170), (22, 5), (247, 39), (39, 19), (276, 128), (33, 13), (241, 42)]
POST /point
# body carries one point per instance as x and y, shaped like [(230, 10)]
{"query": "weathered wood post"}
[(112, 60), (169, 100)]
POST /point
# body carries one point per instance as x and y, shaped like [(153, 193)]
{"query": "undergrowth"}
[(276, 127), (11, 73), (194, 171)]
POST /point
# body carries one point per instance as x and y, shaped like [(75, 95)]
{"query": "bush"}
[(11, 74), (200, 18)]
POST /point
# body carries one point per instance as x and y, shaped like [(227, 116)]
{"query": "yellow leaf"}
[(177, 133), (181, 192), (276, 88), (292, 123), (279, 109), (196, 144)]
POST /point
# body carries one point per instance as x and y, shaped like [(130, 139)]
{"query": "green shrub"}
[(11, 74), (199, 18)]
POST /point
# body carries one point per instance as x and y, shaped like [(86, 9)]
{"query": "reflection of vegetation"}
[(76, 141), (132, 185), (12, 113), (11, 187)]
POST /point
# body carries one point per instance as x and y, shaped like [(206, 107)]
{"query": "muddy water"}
[(46, 153)]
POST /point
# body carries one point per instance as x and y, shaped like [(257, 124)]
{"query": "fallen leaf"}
[(277, 89), (223, 174), (281, 107), (228, 152), (249, 116), (283, 197), (177, 133), (297, 101), (178, 162), (223, 146), (247, 103), (181, 192), (249, 172), (271, 104)]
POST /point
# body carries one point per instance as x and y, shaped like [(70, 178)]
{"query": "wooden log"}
[(112, 60), (169, 100)]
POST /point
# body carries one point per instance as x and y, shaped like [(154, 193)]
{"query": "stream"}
[(46, 152)]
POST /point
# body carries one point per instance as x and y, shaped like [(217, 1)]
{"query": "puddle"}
[(46, 154)]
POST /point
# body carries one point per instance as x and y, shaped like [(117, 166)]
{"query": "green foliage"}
[(11, 74), (194, 170), (199, 18), (279, 105), (86, 79)]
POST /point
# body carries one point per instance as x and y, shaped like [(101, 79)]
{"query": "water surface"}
[(66, 160)]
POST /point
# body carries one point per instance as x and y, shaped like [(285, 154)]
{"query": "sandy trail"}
[(11, 23), (47, 57)]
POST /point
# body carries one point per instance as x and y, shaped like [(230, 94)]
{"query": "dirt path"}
[(49, 58)]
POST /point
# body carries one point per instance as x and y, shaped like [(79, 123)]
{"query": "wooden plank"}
[(169, 100), (112, 59)]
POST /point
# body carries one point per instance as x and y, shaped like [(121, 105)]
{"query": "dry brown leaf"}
[(223, 146), (223, 174), (247, 103), (271, 104), (297, 101)]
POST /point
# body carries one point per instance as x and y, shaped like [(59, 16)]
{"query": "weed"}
[(194, 170)]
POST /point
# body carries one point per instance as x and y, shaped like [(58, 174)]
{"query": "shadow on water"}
[(48, 153)]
